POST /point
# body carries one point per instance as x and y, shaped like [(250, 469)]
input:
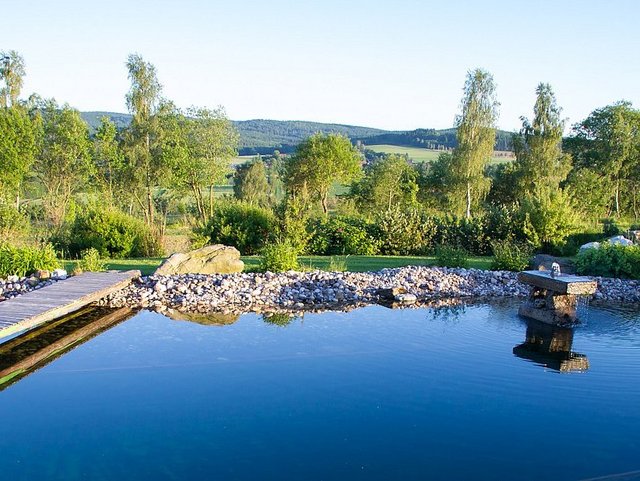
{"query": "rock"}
[(43, 275), (406, 298), (619, 240), (392, 293), (590, 245), (211, 259), (33, 281), (59, 274), (13, 279), (543, 262)]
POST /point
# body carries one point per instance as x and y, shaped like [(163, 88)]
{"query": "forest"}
[(125, 187)]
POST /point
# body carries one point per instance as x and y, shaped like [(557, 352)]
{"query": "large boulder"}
[(620, 240), (214, 259)]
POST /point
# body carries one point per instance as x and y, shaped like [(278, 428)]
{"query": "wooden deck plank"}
[(42, 305)]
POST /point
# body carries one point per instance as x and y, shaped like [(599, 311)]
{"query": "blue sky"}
[(395, 65)]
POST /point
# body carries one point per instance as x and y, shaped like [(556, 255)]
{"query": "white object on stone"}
[(59, 274), (620, 240)]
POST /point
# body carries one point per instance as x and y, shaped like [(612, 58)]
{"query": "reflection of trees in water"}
[(281, 319), (447, 310)]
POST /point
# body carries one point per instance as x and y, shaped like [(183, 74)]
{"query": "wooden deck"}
[(37, 307)]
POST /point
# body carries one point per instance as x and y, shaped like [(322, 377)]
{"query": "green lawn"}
[(419, 155), (353, 263)]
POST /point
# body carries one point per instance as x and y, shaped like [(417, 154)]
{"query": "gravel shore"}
[(320, 290)]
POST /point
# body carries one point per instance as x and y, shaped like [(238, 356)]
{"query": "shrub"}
[(451, 256), (247, 228), (610, 261), (21, 261), (405, 232), (111, 232), (610, 228), (90, 261), (510, 255), (13, 224), (342, 236), (462, 232), (279, 257), (337, 264)]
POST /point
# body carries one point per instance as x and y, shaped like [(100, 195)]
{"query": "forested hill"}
[(265, 136)]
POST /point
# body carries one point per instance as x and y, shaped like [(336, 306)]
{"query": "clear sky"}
[(390, 64)]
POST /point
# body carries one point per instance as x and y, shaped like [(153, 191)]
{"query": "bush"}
[(343, 235), (451, 256), (337, 264), (610, 228), (112, 233), (610, 261), (405, 232), (462, 232), (510, 256), (21, 261), (13, 224), (91, 261), (279, 257), (247, 228)]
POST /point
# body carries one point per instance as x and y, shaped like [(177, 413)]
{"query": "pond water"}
[(467, 393)]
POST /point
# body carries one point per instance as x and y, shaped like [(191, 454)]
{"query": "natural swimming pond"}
[(468, 393)]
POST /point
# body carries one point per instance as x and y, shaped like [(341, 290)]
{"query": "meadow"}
[(420, 155)]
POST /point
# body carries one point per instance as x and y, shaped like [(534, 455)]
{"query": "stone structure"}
[(213, 259), (554, 299)]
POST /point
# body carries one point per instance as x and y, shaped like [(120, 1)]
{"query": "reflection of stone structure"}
[(554, 299), (34, 349), (550, 346)]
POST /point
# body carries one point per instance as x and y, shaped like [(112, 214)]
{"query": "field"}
[(420, 155), (353, 263)]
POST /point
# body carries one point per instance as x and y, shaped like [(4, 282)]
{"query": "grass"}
[(419, 155), (353, 263)]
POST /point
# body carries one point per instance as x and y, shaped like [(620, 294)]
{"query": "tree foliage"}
[(12, 71), (250, 183), (476, 136), (389, 182), (320, 161)]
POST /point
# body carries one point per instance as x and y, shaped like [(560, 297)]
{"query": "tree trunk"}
[(323, 200), (468, 213), (617, 194)]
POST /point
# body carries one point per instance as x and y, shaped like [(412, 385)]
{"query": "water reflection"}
[(550, 346), (208, 319), (28, 352)]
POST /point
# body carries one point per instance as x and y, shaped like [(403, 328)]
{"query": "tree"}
[(64, 163), (538, 146), (251, 184), (197, 146), (476, 137), (143, 100), (389, 182), (18, 147), (318, 162), (608, 141), (109, 160), (11, 72)]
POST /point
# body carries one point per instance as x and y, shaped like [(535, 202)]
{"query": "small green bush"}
[(337, 264), (21, 261), (451, 256), (343, 235), (510, 256), (112, 233), (90, 261), (610, 261), (279, 257), (13, 224), (246, 227), (404, 232)]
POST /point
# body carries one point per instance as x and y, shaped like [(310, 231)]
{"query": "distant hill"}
[(263, 136)]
